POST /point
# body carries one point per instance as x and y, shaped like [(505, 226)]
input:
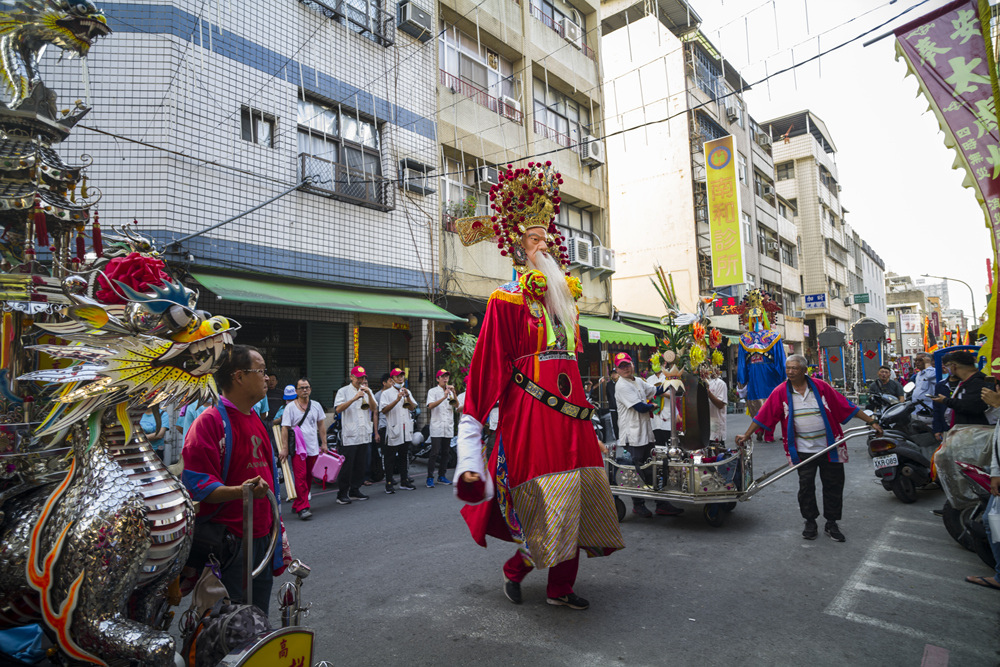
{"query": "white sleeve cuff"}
[(470, 455)]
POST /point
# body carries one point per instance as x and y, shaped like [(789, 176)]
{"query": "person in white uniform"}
[(395, 404), (440, 401), (356, 406)]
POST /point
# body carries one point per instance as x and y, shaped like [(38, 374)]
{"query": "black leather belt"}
[(548, 398)]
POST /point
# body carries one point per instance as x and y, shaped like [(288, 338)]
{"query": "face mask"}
[(399, 385)]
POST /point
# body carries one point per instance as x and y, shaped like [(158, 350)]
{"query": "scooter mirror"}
[(909, 387)]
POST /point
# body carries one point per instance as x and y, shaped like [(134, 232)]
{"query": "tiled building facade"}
[(205, 109)]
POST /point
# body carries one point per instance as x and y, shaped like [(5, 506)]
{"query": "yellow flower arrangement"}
[(575, 287), (717, 358), (697, 354)]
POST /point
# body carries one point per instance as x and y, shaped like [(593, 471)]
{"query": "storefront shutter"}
[(326, 358)]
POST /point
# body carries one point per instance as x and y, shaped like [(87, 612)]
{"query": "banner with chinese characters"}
[(724, 213), (950, 54)]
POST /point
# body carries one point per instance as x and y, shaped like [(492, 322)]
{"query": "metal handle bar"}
[(249, 571), (769, 478)]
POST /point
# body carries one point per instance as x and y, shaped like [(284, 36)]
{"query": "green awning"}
[(610, 331), (253, 290)]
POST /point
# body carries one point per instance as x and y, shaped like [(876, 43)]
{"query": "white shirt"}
[(924, 385), (461, 402), (810, 431), (494, 420), (634, 428), (442, 416), (660, 421), (398, 428), (355, 421), (717, 387), (293, 413)]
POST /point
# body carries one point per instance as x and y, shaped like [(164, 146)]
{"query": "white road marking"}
[(917, 554), (922, 538), (848, 599), (922, 522)]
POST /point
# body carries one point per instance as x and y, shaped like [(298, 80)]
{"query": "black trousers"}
[(661, 436), (439, 452), (832, 477), (639, 455), (232, 575), (395, 461), (352, 473)]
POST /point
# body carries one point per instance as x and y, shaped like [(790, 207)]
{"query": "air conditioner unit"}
[(571, 32), (580, 252), (733, 114), (508, 106), (768, 191), (592, 151), (414, 21), (604, 258), (415, 180), (772, 245), (799, 314), (763, 140), (487, 177)]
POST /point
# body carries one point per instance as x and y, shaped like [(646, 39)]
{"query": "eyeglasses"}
[(261, 371), (303, 388)]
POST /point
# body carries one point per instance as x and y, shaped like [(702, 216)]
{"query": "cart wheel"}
[(620, 508), (713, 514), (729, 507)]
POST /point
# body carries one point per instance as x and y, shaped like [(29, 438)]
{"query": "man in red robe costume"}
[(544, 487)]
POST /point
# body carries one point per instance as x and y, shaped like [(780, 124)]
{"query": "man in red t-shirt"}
[(242, 380)]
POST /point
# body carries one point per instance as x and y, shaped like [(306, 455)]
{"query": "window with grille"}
[(257, 127), (708, 127), (558, 116), (707, 75), (785, 170), (365, 17), (340, 151)]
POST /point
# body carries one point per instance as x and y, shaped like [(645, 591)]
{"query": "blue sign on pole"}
[(815, 301)]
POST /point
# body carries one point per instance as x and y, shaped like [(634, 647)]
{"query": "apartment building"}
[(519, 81), (908, 306), (672, 84), (841, 281), (324, 112)]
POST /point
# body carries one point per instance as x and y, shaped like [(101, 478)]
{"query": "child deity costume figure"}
[(761, 361), (544, 487)]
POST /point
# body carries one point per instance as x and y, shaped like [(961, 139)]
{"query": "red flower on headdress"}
[(136, 270)]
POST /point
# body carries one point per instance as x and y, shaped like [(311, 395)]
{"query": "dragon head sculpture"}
[(135, 337), (25, 30)]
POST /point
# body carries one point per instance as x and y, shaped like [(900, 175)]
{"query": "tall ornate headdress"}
[(524, 198), (755, 309)]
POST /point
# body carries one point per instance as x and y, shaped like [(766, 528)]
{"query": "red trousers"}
[(562, 576), (302, 469)]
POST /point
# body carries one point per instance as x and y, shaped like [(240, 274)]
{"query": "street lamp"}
[(972, 294)]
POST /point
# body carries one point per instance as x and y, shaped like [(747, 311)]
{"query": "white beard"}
[(558, 301)]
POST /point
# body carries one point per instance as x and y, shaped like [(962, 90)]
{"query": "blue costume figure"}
[(761, 361)]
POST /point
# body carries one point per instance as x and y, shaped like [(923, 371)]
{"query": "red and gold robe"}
[(552, 495)]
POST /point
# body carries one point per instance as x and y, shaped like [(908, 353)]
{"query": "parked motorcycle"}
[(902, 454), (975, 530)]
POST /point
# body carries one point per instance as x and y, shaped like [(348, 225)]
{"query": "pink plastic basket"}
[(327, 467)]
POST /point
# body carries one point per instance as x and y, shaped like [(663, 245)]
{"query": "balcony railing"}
[(338, 181), (556, 136), (557, 27), (471, 90)]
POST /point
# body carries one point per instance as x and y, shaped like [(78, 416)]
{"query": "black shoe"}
[(343, 501), (512, 590), (407, 486), (834, 532), (811, 531), (305, 514), (389, 490), (938, 512), (357, 495), (573, 601)]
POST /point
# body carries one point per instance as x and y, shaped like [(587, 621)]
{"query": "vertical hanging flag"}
[(950, 54), (724, 213)]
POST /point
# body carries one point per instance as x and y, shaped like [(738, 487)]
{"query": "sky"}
[(900, 191)]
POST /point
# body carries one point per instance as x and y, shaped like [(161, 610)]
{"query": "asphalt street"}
[(397, 580)]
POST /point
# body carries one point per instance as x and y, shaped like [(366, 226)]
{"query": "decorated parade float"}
[(94, 329), (692, 468)]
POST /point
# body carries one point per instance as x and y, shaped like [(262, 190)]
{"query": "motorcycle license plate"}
[(889, 461)]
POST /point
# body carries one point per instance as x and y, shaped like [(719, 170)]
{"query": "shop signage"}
[(815, 301)]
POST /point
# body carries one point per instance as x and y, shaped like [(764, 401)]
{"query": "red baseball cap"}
[(443, 371), (396, 371), (359, 372), (622, 358)]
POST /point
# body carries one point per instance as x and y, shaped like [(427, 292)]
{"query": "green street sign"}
[(861, 298)]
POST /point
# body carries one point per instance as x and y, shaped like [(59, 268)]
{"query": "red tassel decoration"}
[(98, 244), (41, 229), (81, 247)]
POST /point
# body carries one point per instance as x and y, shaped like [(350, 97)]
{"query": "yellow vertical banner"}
[(724, 213)]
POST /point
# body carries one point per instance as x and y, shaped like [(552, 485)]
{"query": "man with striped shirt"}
[(811, 412)]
